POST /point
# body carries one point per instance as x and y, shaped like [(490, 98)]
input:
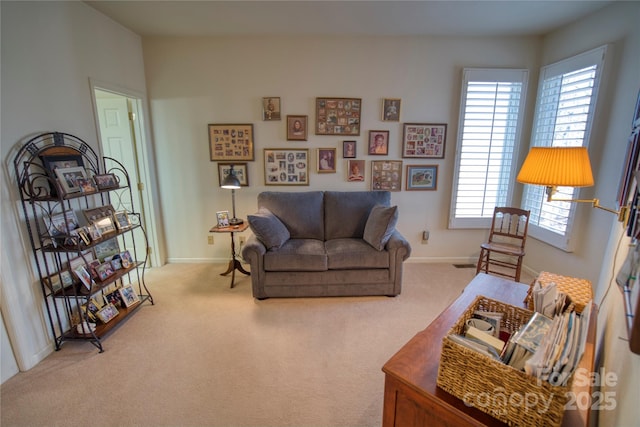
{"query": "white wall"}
[(49, 52)]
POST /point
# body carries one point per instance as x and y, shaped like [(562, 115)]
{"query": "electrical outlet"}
[(425, 237), (210, 240)]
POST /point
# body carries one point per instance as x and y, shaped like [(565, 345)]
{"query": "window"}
[(564, 112), (491, 109)]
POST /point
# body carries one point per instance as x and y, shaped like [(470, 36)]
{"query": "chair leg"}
[(518, 269), (481, 259)]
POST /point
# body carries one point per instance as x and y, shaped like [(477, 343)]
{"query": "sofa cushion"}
[(344, 254), (297, 255), (380, 225), (301, 212), (346, 212), (268, 228)]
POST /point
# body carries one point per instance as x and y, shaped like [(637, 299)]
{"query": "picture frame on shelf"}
[(82, 234), (106, 181), (105, 225), (239, 170), (338, 116), (93, 214), (286, 167), (108, 313), (126, 259), (271, 108), (57, 281), (391, 109), (422, 178), (326, 160), (355, 170), (378, 142), (105, 270), (87, 186), (113, 297), (91, 308), (349, 149), (84, 276), (106, 249), (297, 128), (68, 178), (129, 295), (230, 142), (386, 175), (52, 162), (61, 223), (424, 140), (121, 220), (94, 232), (222, 218)]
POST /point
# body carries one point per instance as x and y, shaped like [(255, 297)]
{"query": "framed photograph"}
[(94, 232), (83, 234), (286, 167), (106, 181), (296, 128), (229, 142), (326, 160), (87, 186), (69, 178), (121, 220), (107, 313), (105, 270), (113, 297), (338, 116), (391, 109), (92, 307), (355, 170), (129, 295), (106, 249), (422, 177), (105, 225), (270, 108), (239, 170), (62, 223), (379, 142), (126, 259), (386, 175), (56, 281), (94, 214), (51, 163), (349, 149), (81, 273), (424, 140), (223, 218)]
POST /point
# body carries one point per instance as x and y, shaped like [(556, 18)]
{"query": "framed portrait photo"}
[(386, 175), (338, 116), (270, 108), (222, 218), (422, 140), (355, 170), (296, 128), (107, 313), (286, 167), (326, 160), (106, 181), (391, 109), (231, 142), (53, 162), (129, 295), (121, 220), (70, 178), (94, 214), (349, 149), (379, 142), (239, 170), (422, 177)]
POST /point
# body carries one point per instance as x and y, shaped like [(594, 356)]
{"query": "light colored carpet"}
[(208, 355)]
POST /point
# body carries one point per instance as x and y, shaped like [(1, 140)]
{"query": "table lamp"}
[(555, 167), (231, 182)]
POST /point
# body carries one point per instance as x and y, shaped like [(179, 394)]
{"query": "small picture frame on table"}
[(391, 109), (223, 218), (69, 179), (286, 167), (106, 181), (296, 128), (270, 108), (378, 142), (422, 177), (386, 175), (239, 170), (231, 142), (422, 140), (326, 160), (349, 149), (129, 295)]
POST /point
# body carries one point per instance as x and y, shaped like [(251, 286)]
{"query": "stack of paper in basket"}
[(549, 346)]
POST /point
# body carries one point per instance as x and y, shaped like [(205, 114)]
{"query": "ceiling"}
[(355, 17)]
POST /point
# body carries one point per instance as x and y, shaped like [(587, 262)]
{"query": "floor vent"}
[(464, 265)]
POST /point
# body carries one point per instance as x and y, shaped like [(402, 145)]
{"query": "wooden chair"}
[(502, 254)]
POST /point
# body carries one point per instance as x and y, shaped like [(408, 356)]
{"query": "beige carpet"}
[(208, 355)]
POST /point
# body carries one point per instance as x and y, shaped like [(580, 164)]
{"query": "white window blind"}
[(563, 117), (488, 135)]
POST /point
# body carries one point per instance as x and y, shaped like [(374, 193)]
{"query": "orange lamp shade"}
[(557, 167)]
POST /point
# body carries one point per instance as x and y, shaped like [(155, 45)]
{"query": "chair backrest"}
[(509, 225)]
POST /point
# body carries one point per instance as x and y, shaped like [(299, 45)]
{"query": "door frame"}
[(146, 164)]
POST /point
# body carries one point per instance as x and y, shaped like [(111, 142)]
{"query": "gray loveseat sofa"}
[(325, 243)]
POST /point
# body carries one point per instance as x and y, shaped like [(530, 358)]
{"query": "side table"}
[(234, 263)]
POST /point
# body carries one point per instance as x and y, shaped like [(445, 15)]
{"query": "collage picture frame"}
[(386, 175), (338, 116), (229, 142), (239, 169), (424, 140), (286, 167)]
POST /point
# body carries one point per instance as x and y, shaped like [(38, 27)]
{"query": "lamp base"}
[(235, 221)]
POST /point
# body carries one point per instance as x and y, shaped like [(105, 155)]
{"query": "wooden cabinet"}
[(112, 253), (411, 396)]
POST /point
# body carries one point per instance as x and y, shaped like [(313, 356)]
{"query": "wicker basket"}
[(579, 290), (499, 390)]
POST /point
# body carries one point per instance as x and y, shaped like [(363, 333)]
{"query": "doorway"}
[(121, 133)]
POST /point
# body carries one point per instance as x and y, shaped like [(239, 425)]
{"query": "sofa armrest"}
[(253, 248), (398, 242)]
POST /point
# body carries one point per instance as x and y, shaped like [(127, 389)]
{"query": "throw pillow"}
[(380, 225), (268, 228)]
